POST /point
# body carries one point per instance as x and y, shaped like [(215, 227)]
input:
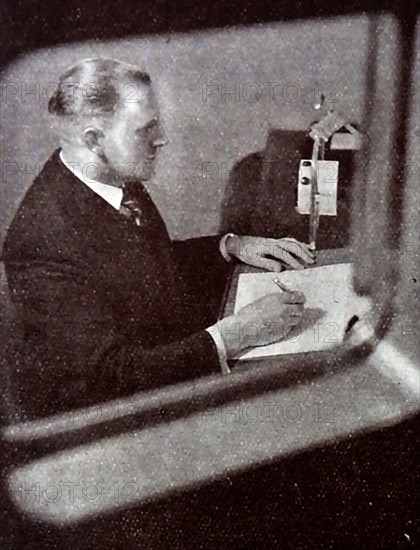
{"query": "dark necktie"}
[(130, 206)]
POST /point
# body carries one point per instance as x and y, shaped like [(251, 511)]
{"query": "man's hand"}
[(270, 254), (262, 322)]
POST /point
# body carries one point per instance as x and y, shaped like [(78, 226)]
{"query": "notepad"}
[(330, 304)]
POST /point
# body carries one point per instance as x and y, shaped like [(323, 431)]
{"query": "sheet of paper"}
[(330, 304)]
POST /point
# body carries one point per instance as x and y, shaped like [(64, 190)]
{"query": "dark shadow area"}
[(261, 192)]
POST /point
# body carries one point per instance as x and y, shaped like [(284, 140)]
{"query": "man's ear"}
[(92, 138)]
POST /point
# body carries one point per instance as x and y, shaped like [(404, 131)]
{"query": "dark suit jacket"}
[(108, 308)]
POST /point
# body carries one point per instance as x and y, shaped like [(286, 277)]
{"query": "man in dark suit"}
[(109, 304)]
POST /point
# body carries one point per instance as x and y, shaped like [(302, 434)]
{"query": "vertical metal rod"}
[(321, 153), (317, 151)]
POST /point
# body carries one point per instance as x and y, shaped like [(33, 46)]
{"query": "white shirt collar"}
[(112, 195)]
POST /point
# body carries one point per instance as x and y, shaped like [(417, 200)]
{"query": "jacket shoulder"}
[(39, 215)]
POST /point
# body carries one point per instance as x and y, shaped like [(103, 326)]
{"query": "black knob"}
[(305, 181)]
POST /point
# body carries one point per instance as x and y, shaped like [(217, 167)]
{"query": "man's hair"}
[(95, 87)]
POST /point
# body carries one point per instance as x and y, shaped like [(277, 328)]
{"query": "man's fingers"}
[(294, 310), (290, 297), (296, 248), (300, 243), (287, 258), (294, 320), (287, 251), (293, 297)]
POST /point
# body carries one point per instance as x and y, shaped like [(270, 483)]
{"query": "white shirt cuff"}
[(221, 349), (222, 246)]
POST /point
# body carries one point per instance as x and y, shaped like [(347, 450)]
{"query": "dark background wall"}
[(277, 69)]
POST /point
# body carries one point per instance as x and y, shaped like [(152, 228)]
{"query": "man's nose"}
[(159, 140)]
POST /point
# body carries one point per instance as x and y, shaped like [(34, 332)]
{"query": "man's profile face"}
[(132, 140)]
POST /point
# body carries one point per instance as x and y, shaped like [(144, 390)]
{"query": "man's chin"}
[(147, 173), (146, 176)]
